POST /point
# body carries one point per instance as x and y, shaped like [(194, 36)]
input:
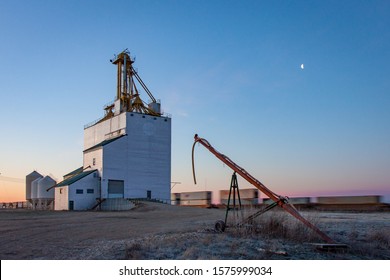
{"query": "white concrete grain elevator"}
[(129, 148)]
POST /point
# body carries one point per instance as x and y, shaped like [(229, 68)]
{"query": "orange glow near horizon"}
[(15, 192), (12, 191)]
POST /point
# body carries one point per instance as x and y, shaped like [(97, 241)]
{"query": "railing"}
[(92, 123)]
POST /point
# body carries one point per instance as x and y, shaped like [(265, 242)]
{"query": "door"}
[(116, 189), (149, 194), (71, 204)]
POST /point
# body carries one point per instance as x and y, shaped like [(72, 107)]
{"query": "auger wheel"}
[(219, 226)]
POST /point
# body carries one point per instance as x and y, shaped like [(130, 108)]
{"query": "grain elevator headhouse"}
[(130, 147), (127, 97)]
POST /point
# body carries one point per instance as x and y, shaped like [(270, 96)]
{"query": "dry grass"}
[(192, 246), (154, 231), (273, 235), (380, 238), (374, 245), (276, 224), (260, 240)]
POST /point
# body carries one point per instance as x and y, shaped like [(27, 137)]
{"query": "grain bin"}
[(44, 184), (34, 188), (29, 179), (45, 199)]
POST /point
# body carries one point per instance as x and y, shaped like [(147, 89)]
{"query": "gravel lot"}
[(157, 231)]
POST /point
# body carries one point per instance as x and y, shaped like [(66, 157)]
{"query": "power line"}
[(11, 179)]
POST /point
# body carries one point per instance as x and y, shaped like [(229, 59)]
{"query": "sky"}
[(229, 71)]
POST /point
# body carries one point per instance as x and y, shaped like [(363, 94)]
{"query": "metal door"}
[(116, 188)]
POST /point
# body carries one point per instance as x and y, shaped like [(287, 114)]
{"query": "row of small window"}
[(80, 191)]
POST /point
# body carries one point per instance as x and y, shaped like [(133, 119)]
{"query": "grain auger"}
[(278, 200)]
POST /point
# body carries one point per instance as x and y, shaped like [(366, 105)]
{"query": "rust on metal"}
[(278, 199)]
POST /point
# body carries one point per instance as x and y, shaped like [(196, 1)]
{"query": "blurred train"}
[(15, 205), (251, 197)]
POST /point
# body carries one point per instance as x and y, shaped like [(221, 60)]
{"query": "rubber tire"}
[(219, 226)]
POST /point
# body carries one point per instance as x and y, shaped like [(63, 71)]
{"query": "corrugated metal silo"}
[(43, 185), (29, 179), (34, 188)]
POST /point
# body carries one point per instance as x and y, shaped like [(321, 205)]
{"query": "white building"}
[(132, 152), (127, 153), (78, 192)]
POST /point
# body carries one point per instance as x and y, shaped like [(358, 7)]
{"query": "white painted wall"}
[(99, 132), (61, 198), (84, 201), (96, 154), (115, 164), (149, 156), (142, 158)]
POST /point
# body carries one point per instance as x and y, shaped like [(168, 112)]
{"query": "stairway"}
[(116, 204)]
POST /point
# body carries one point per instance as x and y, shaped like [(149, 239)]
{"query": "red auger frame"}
[(279, 200)]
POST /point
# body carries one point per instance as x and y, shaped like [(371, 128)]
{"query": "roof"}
[(74, 178), (78, 170), (103, 143)]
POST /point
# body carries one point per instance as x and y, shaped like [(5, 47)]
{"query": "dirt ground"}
[(158, 231)]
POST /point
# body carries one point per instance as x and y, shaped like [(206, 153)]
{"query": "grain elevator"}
[(128, 151)]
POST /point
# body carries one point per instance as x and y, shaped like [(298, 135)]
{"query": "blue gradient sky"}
[(227, 70)]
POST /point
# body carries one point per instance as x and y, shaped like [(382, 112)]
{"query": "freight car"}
[(367, 199), (247, 197), (198, 199)]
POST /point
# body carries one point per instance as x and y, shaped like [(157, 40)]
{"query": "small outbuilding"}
[(78, 192)]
